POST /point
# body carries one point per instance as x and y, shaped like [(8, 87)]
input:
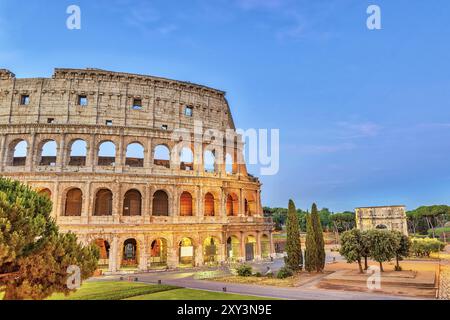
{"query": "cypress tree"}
[(294, 259), (315, 245)]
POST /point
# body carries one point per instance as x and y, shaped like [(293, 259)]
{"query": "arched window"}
[(160, 203), (210, 250), (132, 203), (45, 192), (232, 205), (135, 155), (103, 247), (48, 153), (74, 200), (186, 204), (265, 246), (186, 159), (107, 154), (250, 246), (209, 161), (381, 227), (158, 252), (130, 253), (103, 203), (228, 163), (233, 247), (78, 153), (209, 204), (18, 151), (161, 156), (186, 252)]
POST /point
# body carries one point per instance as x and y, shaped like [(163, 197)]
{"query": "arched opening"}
[(186, 252), (209, 205), (18, 151), (103, 247), (265, 247), (48, 153), (161, 156), (209, 161), (185, 204), (160, 203), (158, 252), (107, 154), (78, 153), (74, 200), (186, 159), (233, 247), (250, 205), (381, 226), (103, 203), (250, 245), (211, 250), (228, 163), (132, 203), (135, 155), (45, 192), (232, 205), (130, 253)]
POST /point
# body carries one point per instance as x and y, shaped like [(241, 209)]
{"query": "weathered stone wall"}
[(110, 97)]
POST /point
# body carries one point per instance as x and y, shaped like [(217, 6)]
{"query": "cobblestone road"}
[(444, 286)]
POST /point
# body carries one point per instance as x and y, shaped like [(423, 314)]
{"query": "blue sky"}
[(363, 115)]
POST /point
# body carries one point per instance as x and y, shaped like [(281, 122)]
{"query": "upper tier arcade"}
[(99, 97)]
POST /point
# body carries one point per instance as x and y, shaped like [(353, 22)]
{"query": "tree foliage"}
[(294, 258), (315, 245), (352, 247), (383, 245), (31, 248)]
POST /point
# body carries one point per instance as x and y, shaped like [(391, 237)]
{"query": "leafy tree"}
[(34, 257), (365, 248), (382, 246), (402, 249), (428, 217), (352, 247), (343, 221), (294, 259), (315, 245)]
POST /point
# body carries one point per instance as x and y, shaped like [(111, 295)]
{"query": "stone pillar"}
[(61, 152), (242, 242), (113, 253), (198, 252), (258, 246), (143, 253), (91, 153), (148, 157), (3, 151), (172, 255), (88, 197), (241, 203), (31, 154), (120, 155), (200, 203)]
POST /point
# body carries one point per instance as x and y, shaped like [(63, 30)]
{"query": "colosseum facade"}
[(71, 136)]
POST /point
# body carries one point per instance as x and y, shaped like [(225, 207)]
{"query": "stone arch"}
[(186, 251), (77, 152), (48, 150), (74, 203), (160, 203), (103, 202), (249, 204), (229, 163), (232, 205), (106, 155), (209, 161), (158, 252), (381, 227), (186, 159), (17, 152), (132, 203), (46, 192), (250, 247), (130, 253), (186, 204), (161, 156), (211, 250), (209, 205), (265, 246), (134, 155), (233, 247), (104, 250)]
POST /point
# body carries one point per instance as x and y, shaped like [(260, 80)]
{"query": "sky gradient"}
[(364, 115)]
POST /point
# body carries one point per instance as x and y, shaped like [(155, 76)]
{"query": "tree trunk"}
[(360, 266), (398, 263), (381, 267), (365, 264)]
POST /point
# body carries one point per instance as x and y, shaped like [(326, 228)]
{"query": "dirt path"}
[(444, 279)]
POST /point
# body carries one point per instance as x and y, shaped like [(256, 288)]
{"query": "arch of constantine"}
[(100, 144)]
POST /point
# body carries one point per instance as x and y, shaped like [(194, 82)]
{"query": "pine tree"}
[(315, 245), (294, 259)]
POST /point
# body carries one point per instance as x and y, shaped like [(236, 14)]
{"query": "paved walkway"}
[(186, 279), (444, 285)]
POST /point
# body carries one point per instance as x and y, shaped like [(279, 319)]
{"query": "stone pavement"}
[(444, 285)]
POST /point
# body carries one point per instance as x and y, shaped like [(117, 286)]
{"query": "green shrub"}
[(438, 231), (258, 275), (285, 272), (424, 247), (244, 270)]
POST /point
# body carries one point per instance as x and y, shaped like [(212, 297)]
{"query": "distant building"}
[(382, 217)]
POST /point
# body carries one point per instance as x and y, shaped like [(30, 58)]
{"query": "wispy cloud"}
[(260, 4), (358, 130), (324, 149)]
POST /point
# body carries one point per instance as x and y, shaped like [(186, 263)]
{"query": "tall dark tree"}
[(310, 246), (294, 258), (352, 247), (34, 256), (403, 245), (315, 253)]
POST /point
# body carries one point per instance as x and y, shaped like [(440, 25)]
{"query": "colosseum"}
[(110, 150)]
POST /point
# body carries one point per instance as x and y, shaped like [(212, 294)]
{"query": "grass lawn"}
[(192, 294)]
